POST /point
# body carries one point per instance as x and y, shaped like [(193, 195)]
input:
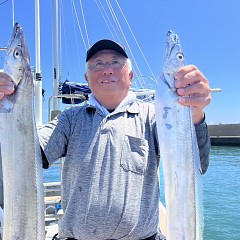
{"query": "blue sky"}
[(209, 32)]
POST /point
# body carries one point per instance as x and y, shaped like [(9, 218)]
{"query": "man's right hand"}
[(6, 85)]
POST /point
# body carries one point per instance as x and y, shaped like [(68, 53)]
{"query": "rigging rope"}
[(106, 19), (125, 40), (75, 33), (136, 41), (64, 35), (79, 25), (84, 22), (115, 28), (3, 2)]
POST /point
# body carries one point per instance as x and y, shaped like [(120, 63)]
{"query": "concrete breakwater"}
[(225, 134)]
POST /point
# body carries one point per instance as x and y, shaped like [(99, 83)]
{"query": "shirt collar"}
[(128, 103)]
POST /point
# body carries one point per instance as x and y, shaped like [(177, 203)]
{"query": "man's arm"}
[(203, 145)]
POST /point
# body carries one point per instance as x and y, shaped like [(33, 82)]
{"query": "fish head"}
[(174, 57), (17, 55)]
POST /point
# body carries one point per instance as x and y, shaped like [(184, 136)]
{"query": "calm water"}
[(222, 194), (221, 185)]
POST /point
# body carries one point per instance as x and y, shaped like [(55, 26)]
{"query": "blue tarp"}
[(73, 88)]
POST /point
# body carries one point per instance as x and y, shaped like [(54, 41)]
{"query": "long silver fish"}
[(179, 152), (21, 155)]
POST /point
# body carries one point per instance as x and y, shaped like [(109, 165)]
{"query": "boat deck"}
[(53, 211)]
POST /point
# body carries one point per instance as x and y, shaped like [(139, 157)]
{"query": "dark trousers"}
[(153, 237)]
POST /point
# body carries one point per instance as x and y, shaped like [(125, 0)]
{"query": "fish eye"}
[(17, 53), (180, 57)]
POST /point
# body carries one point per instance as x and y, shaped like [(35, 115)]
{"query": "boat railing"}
[(53, 195), (52, 199), (53, 113)]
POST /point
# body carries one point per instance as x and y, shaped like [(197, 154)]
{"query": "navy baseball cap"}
[(105, 44)]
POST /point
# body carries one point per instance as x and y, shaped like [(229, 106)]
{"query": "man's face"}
[(108, 74)]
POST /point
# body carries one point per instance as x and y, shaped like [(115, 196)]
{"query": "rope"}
[(79, 25), (111, 20), (137, 70), (84, 22), (106, 19), (125, 40), (64, 35), (55, 237), (77, 45), (3, 2), (136, 42)]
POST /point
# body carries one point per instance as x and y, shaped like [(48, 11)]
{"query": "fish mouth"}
[(16, 33), (17, 40), (172, 40)]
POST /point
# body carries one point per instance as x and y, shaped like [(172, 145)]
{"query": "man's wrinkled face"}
[(108, 74)]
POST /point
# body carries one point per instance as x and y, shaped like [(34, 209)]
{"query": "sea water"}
[(221, 185), (221, 193)]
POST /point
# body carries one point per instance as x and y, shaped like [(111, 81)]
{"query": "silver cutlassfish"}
[(179, 152), (20, 150)]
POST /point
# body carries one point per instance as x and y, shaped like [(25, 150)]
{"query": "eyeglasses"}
[(114, 64)]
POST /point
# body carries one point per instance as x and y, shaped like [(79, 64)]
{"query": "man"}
[(110, 174)]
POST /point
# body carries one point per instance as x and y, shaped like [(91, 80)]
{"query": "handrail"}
[(71, 96)]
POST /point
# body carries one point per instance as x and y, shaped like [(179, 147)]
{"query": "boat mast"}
[(55, 53), (38, 76), (13, 20)]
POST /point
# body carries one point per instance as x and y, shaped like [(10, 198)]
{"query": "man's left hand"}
[(194, 90)]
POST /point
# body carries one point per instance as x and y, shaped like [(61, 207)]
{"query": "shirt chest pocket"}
[(134, 154)]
